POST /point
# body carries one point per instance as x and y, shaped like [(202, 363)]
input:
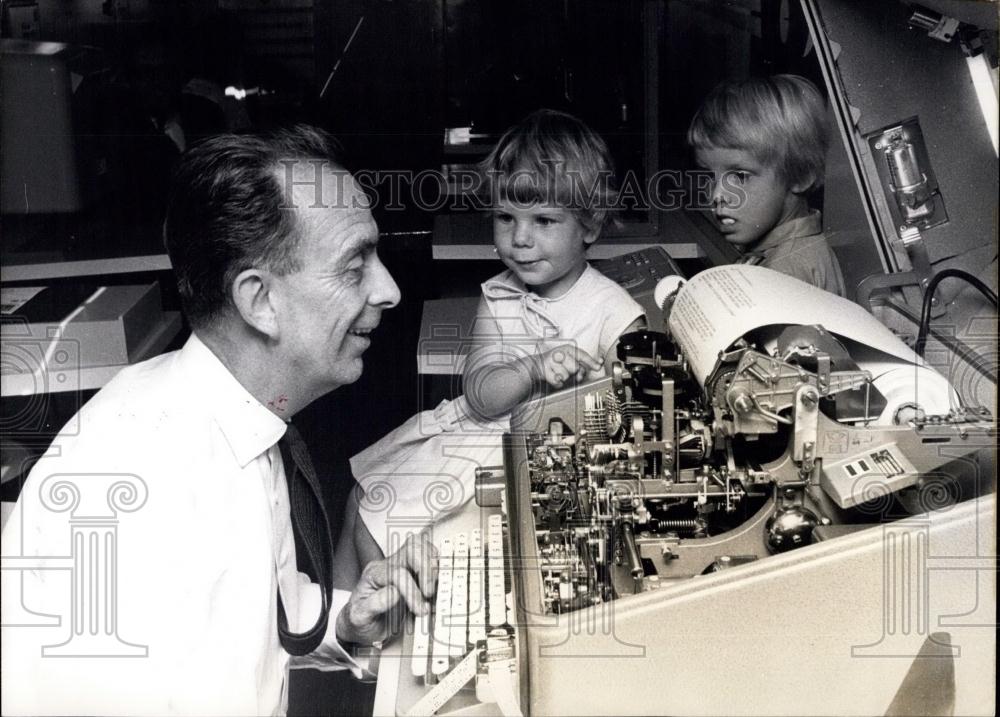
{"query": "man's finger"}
[(375, 575), (376, 604), (377, 615), (589, 361), (404, 581), (422, 560)]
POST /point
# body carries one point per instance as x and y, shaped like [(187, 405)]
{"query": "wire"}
[(343, 54), (925, 313)]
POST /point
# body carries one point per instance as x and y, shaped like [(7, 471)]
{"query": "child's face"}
[(542, 244), (748, 197)]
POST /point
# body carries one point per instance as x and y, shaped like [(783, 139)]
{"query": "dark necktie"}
[(313, 541)]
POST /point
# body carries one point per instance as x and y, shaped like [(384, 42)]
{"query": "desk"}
[(445, 335)]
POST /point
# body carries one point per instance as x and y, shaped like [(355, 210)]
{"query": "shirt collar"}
[(512, 280), (249, 427), (808, 225)]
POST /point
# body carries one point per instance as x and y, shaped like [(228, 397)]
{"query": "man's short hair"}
[(551, 157), (781, 120), (228, 212)]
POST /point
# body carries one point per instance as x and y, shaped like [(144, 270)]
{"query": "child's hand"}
[(563, 363)]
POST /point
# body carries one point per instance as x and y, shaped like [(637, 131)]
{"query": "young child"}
[(765, 140), (546, 322)]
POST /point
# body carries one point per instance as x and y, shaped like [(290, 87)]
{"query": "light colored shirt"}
[(180, 582), (592, 314), (798, 248)]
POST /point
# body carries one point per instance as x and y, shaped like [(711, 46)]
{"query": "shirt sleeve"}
[(330, 655), (622, 311)]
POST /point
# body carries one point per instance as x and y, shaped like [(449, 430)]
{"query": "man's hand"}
[(407, 577), (563, 363)]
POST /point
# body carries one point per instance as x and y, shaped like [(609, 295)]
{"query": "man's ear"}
[(254, 302)]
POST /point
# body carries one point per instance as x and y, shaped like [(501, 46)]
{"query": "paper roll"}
[(907, 386)]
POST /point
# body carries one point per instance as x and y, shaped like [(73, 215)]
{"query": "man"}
[(153, 563)]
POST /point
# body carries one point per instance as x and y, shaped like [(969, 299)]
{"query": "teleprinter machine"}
[(800, 522)]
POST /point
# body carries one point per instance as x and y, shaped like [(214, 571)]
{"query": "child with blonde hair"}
[(765, 140)]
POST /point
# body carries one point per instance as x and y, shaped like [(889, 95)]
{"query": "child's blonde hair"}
[(781, 120), (552, 157)]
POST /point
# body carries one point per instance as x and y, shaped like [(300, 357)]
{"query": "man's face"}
[(748, 197), (327, 309)]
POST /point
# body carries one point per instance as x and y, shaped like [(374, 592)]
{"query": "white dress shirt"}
[(188, 566)]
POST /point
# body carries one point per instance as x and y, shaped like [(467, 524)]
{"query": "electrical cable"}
[(925, 313)]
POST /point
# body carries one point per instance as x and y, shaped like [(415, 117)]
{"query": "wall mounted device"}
[(907, 178)]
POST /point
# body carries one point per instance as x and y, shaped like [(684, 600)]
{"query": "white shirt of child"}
[(592, 314)]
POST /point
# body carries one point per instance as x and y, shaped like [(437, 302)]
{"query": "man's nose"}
[(522, 235), (385, 292)]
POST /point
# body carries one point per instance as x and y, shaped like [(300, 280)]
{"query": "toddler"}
[(765, 141), (549, 320)]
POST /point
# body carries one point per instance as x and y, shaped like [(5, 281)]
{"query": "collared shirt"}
[(591, 314), (798, 248), (177, 570)]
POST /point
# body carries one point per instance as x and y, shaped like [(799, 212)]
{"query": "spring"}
[(678, 524)]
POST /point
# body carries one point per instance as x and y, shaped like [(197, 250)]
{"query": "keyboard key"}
[(421, 645), (477, 576), (442, 611), (458, 633)]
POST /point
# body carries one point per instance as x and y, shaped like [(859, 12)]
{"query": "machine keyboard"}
[(463, 652), (471, 603)]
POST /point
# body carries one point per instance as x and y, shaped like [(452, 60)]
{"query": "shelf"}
[(84, 267)]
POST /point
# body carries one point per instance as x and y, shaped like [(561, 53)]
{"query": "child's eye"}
[(502, 217), (545, 221), (740, 176)]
